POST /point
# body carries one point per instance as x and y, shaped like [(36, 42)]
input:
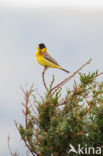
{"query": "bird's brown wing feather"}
[(49, 58)]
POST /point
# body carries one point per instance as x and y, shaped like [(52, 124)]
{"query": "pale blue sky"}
[(72, 36)]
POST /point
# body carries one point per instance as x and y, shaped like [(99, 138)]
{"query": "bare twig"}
[(99, 74), (68, 78), (11, 153), (43, 73), (26, 105), (34, 153), (40, 96), (36, 113), (27, 94)]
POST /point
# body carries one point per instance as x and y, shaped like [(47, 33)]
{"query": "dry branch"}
[(68, 78), (43, 73), (11, 153), (27, 94), (26, 144)]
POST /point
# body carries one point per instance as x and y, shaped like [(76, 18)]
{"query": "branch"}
[(11, 153), (26, 144), (68, 78), (27, 94), (78, 90), (43, 73), (99, 74)]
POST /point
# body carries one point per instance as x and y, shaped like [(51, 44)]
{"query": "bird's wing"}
[(49, 58)]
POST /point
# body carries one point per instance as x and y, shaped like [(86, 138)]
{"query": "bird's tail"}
[(65, 70)]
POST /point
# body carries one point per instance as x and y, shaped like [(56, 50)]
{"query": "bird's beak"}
[(37, 48)]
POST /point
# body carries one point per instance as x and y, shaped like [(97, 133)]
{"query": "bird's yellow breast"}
[(42, 61)]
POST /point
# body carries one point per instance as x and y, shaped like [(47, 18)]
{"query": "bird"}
[(44, 58)]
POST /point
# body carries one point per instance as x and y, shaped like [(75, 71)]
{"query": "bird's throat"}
[(38, 53)]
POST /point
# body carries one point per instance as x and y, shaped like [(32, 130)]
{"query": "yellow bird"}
[(44, 59)]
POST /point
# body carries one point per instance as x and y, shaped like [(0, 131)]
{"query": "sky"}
[(88, 4), (72, 31)]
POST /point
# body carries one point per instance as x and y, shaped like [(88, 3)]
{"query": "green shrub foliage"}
[(54, 122)]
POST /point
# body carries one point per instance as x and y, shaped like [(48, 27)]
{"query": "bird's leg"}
[(43, 73)]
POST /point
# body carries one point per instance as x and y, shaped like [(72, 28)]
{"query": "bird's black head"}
[(42, 46)]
